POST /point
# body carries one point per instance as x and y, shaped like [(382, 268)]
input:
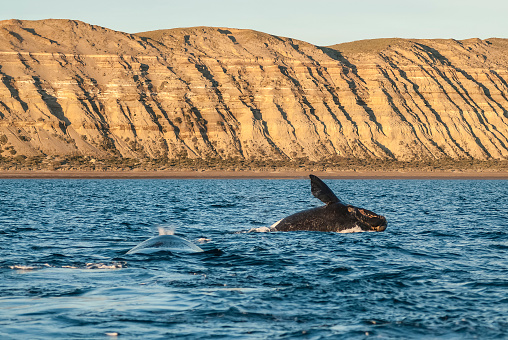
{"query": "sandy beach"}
[(249, 174)]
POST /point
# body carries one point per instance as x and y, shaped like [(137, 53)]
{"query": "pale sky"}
[(320, 22)]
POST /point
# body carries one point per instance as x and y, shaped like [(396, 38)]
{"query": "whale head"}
[(350, 215), (366, 219)]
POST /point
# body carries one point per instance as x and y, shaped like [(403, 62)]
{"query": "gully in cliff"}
[(334, 216)]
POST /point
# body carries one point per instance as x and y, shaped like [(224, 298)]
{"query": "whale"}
[(334, 216), (165, 241)]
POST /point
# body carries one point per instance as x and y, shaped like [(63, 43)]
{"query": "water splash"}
[(166, 230)]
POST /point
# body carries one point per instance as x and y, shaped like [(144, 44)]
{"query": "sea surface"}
[(439, 271)]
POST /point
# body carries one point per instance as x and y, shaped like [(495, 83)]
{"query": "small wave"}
[(224, 205), (27, 267), (113, 265), (19, 267), (112, 334)]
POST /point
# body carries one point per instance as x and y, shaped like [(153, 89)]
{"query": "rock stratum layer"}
[(69, 88)]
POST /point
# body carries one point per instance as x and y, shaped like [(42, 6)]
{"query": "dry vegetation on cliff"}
[(73, 96)]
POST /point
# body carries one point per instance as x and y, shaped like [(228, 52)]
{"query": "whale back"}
[(165, 241)]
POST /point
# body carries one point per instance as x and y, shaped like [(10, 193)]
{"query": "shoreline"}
[(249, 174)]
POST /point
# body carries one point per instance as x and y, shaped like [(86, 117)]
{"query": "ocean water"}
[(439, 271)]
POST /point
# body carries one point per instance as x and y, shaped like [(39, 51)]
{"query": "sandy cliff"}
[(69, 88)]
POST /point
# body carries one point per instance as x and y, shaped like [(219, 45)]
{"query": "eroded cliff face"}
[(69, 88)]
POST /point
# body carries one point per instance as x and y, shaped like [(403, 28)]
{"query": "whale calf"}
[(335, 216), (165, 241)]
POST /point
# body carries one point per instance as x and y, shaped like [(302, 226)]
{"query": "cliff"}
[(72, 89)]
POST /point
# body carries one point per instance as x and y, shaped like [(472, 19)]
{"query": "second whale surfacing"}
[(333, 217), (166, 241)]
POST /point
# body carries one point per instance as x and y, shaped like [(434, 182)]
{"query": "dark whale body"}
[(333, 217)]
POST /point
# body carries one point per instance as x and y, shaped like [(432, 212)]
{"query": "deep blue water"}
[(439, 271)]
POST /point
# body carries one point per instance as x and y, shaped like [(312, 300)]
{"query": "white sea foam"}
[(273, 226), (19, 267), (166, 230), (259, 230), (355, 229), (264, 229), (113, 334), (114, 265)]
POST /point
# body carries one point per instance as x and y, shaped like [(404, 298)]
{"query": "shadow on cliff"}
[(52, 103), (463, 92), (356, 90), (338, 56), (9, 84)]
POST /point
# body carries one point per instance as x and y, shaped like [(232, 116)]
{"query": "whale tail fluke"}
[(321, 191)]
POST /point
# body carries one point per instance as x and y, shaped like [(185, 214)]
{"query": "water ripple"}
[(438, 271)]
